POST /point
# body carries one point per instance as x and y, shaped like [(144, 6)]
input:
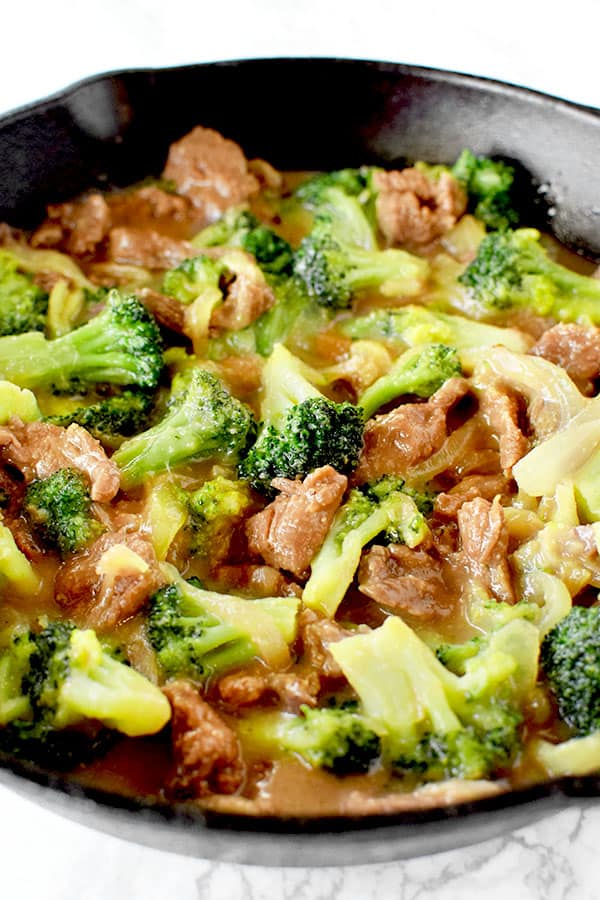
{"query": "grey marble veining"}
[(555, 859)]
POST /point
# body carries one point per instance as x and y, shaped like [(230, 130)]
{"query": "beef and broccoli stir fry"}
[(299, 488)]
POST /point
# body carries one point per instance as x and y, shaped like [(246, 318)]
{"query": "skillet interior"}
[(303, 114)]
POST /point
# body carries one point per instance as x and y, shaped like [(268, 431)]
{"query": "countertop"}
[(550, 47)]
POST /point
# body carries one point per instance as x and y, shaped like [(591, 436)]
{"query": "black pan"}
[(113, 130)]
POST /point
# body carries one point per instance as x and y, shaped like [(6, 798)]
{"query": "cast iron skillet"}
[(303, 114)]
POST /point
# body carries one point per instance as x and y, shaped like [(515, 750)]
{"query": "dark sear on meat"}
[(235, 604)]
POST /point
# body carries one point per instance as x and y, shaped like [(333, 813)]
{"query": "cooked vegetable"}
[(121, 345), (203, 420), (112, 419), (513, 271), (23, 306), (301, 429), (489, 185), (59, 508)]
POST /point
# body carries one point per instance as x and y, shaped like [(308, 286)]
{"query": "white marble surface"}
[(46, 45)]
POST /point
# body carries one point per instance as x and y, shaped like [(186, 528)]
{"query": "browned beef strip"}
[(291, 529), (500, 409), (256, 581), (409, 434), (414, 209), (246, 300), (77, 227), (211, 171), (574, 347), (149, 204), (484, 538), (405, 581), (291, 689), (39, 449), (98, 600), (166, 310), (316, 635), (447, 504), (148, 248), (206, 751)]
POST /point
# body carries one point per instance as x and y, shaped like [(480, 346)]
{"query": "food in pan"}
[(300, 488)]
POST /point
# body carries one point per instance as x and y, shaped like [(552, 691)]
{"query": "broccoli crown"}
[(333, 271), (570, 659), (23, 306), (64, 687), (190, 641), (337, 738), (489, 185), (121, 345), (472, 752), (241, 228), (512, 269), (420, 371), (351, 181), (108, 420), (314, 433), (455, 656), (192, 277), (59, 508), (382, 488), (203, 420), (213, 510)]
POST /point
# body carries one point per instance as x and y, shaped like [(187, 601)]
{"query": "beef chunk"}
[(206, 751), (500, 408), (409, 434), (246, 300), (316, 635), (414, 209), (149, 204), (574, 347), (167, 311), (484, 538), (148, 248), (404, 581), (77, 227), (291, 689), (291, 529), (447, 504), (39, 449), (256, 581), (103, 590), (211, 171)]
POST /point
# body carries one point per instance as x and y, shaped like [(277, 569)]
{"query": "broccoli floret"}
[(112, 419), (59, 508), (432, 723), (203, 420), (301, 429), (359, 520), (414, 326), (488, 184), (387, 484), (63, 683), (333, 272), (512, 270), (455, 656), (121, 345), (213, 510), (419, 371), (474, 751), (337, 738), (23, 306), (570, 659), (351, 181), (189, 640), (198, 631), (195, 277), (242, 229)]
